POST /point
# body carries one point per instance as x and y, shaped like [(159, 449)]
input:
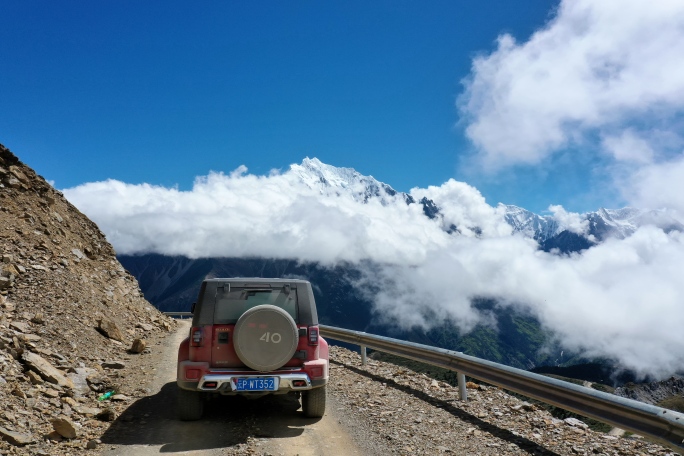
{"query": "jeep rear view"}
[(253, 337)]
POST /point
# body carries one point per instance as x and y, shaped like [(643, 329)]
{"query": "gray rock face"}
[(653, 392), (79, 377), (20, 326)]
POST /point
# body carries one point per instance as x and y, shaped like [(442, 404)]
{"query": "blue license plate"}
[(256, 384)]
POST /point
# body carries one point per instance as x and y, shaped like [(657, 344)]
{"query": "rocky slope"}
[(667, 393), (71, 320)]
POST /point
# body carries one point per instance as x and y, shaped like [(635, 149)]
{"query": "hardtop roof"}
[(255, 280)]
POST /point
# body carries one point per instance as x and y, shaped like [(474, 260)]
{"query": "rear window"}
[(230, 305)]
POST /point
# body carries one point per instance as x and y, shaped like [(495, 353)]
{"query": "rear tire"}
[(313, 402), (189, 405)]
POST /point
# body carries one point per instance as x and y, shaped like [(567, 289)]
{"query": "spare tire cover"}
[(265, 337)]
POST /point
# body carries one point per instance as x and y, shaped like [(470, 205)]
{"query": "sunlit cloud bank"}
[(241, 215), (610, 70), (620, 299)]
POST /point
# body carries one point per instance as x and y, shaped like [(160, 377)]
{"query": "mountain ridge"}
[(598, 225)]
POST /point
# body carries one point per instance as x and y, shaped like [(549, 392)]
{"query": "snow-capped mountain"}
[(547, 230), (331, 180), (601, 224), (622, 223), (530, 224)]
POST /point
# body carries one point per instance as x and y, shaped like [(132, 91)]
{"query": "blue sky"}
[(161, 92), (534, 102)]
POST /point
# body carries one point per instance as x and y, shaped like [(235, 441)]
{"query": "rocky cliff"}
[(70, 319)]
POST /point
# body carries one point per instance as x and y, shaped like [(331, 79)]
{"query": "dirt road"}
[(231, 425)]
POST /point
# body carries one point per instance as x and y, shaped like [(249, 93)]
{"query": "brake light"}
[(196, 337), (313, 335)]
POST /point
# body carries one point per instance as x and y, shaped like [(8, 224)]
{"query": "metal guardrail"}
[(661, 425)]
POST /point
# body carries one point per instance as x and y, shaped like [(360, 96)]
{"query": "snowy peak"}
[(316, 174), (619, 223), (530, 224), (622, 223), (331, 180), (601, 224)]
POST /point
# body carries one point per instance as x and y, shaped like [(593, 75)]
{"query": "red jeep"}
[(253, 337)]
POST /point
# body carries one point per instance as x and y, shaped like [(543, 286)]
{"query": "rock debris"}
[(69, 313)]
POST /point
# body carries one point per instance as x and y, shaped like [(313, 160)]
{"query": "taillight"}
[(313, 335), (196, 337)]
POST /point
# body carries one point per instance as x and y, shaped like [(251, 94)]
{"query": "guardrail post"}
[(363, 355), (462, 386)]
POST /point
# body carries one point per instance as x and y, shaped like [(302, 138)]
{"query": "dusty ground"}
[(232, 425)]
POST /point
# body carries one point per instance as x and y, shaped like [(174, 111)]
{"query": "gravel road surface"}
[(231, 425)]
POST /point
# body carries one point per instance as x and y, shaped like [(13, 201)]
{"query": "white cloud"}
[(620, 299), (246, 215), (658, 185), (570, 221), (596, 67), (606, 78), (464, 207), (629, 147)]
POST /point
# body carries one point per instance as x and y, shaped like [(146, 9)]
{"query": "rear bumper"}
[(223, 381)]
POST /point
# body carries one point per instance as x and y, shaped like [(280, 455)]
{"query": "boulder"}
[(138, 346), (16, 438), (109, 329), (46, 370), (20, 326), (64, 427), (145, 326), (79, 377), (16, 171), (34, 378)]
